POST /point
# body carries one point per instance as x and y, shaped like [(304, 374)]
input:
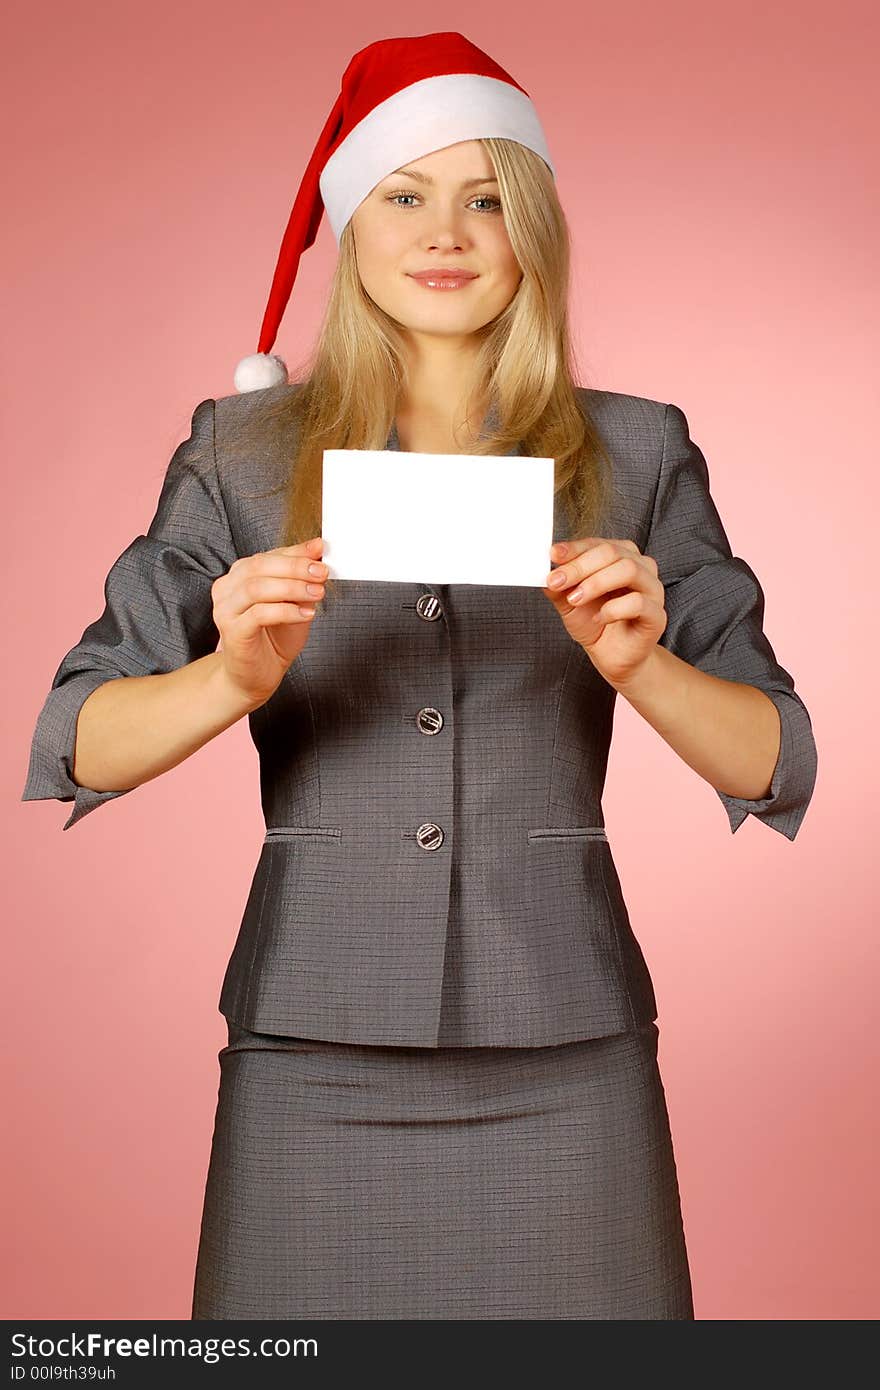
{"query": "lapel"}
[(259, 518), (370, 627)]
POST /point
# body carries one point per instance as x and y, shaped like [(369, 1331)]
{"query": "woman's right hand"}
[(261, 610)]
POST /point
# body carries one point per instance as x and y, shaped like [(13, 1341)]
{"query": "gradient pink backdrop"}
[(719, 173)]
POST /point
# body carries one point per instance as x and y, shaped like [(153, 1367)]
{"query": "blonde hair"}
[(351, 383)]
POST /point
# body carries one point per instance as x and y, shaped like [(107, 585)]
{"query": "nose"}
[(447, 237), (448, 229)]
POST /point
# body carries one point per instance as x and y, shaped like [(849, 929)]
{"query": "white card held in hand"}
[(437, 518)]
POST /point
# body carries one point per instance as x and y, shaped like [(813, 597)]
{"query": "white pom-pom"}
[(258, 371)]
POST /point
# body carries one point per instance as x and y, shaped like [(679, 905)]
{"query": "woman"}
[(440, 1096)]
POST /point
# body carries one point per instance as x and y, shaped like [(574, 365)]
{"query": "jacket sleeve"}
[(715, 611), (158, 613)]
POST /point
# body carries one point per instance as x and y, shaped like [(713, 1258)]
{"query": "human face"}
[(442, 210)]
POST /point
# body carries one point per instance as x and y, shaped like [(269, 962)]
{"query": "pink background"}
[(718, 171)]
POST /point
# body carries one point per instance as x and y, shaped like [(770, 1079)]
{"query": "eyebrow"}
[(424, 178)]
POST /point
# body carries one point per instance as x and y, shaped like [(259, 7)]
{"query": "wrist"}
[(232, 703), (643, 678)]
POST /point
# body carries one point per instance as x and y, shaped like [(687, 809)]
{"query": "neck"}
[(434, 400)]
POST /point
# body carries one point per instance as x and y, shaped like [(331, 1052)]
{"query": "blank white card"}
[(437, 518)]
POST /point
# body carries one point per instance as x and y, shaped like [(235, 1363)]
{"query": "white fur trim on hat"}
[(423, 117), (259, 370)]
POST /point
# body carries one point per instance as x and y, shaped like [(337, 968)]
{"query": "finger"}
[(569, 550), (285, 561), (626, 573), (603, 557), (312, 547), (596, 552), (589, 554), (263, 588), (262, 615), (630, 606), (258, 590), (561, 578)]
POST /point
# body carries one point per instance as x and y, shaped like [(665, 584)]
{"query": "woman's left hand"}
[(621, 613)]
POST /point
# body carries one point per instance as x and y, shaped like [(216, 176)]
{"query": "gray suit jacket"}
[(435, 869)]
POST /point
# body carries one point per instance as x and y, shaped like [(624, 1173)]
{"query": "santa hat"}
[(400, 99)]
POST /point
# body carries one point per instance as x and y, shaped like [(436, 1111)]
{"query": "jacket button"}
[(429, 835), (429, 607), (429, 720)]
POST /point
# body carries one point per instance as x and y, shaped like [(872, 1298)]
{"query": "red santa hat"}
[(400, 99)]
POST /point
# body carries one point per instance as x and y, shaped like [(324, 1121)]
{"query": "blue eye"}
[(482, 198)]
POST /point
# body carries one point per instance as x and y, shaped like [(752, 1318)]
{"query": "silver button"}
[(429, 835), (429, 720), (429, 607)]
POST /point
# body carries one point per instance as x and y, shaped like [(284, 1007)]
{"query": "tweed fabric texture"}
[(515, 931), (350, 1181)]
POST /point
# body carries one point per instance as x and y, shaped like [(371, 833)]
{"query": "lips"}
[(444, 272)]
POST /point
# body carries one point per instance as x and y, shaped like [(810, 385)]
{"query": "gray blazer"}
[(435, 869)]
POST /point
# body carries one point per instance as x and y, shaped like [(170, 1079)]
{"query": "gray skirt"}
[(361, 1181)]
